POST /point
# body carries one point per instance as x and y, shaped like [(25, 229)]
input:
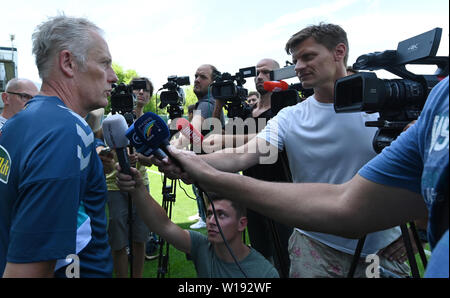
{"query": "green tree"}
[(191, 98)]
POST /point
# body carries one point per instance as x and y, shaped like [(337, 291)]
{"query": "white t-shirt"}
[(326, 147)]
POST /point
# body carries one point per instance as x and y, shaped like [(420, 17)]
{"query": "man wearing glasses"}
[(18, 92)]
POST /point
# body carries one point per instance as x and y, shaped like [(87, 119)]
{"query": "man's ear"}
[(66, 63), (340, 51), (243, 221), (5, 98)]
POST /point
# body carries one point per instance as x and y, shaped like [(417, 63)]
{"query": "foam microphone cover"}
[(186, 128), (152, 130), (114, 129), (274, 86), (153, 133)]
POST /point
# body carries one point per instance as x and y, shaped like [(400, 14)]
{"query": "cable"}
[(221, 233)]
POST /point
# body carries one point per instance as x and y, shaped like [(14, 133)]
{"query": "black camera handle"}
[(408, 246)]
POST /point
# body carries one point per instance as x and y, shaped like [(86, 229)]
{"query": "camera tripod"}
[(408, 246), (169, 194)]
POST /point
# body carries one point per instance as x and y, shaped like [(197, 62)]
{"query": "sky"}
[(158, 39)]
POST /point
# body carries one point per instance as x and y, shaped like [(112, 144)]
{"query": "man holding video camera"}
[(203, 111), (268, 237), (321, 146), (118, 225)]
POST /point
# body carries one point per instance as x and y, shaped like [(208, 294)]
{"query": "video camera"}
[(235, 95), (398, 101), (174, 96), (123, 100), (285, 98)]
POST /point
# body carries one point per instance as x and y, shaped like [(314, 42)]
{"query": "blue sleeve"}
[(400, 164), (98, 143), (438, 266)]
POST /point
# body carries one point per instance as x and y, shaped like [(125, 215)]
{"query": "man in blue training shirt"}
[(52, 208), (406, 182)]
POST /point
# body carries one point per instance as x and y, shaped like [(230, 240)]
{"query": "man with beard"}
[(267, 237), (203, 111)]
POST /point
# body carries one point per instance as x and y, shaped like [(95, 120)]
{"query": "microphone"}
[(275, 86), (186, 128), (114, 130), (150, 135)]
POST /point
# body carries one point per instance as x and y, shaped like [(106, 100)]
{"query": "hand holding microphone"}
[(150, 136)]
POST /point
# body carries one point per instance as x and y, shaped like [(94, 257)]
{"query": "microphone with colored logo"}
[(186, 128), (275, 86), (114, 130), (150, 135)]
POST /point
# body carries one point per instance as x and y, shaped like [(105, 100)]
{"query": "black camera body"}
[(398, 101), (234, 94), (123, 100), (174, 96)]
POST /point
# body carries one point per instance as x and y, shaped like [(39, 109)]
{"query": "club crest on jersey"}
[(5, 165)]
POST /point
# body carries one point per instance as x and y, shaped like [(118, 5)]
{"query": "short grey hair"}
[(15, 83), (62, 33)]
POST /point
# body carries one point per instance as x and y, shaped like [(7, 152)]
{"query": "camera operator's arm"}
[(349, 210), (234, 160), (217, 142), (151, 212)]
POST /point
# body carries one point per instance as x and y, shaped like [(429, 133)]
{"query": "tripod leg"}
[(409, 251), (356, 257), (168, 193), (423, 257), (277, 243), (130, 233)]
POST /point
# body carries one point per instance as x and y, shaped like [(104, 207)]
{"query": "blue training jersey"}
[(53, 191)]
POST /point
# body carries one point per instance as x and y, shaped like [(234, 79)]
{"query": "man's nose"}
[(112, 77)]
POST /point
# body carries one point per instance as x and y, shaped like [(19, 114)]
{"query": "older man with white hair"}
[(52, 211)]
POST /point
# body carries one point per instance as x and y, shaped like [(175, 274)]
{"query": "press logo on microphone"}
[(148, 128)]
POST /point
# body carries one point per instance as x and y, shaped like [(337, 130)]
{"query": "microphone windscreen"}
[(186, 128), (152, 130), (114, 130), (274, 86)]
